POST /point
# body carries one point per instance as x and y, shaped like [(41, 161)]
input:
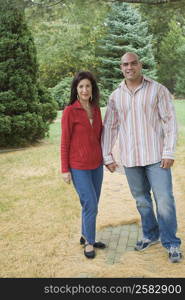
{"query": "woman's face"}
[(84, 90)]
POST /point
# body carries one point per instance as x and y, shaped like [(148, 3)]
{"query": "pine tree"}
[(126, 32), (26, 108), (171, 56)]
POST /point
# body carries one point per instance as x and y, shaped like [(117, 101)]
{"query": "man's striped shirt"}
[(144, 121)]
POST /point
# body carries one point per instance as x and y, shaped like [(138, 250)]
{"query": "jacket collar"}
[(78, 105)]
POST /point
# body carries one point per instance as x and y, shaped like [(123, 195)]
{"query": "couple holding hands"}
[(140, 112)]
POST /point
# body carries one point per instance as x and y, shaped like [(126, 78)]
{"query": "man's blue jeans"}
[(88, 186), (141, 181)]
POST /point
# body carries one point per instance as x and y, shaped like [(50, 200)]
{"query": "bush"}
[(104, 95), (26, 108), (61, 92)]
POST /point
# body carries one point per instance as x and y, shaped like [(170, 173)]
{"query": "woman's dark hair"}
[(95, 89)]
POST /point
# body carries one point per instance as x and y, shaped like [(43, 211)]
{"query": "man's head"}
[(131, 66)]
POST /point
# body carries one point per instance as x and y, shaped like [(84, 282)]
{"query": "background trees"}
[(26, 108), (167, 24), (65, 37), (171, 56), (71, 35), (125, 32), (149, 2)]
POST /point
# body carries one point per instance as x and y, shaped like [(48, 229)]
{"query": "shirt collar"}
[(145, 78)]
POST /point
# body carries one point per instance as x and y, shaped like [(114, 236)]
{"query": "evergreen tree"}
[(171, 56), (158, 18), (26, 108), (126, 32)]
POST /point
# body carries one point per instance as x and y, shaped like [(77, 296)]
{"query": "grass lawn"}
[(180, 113)]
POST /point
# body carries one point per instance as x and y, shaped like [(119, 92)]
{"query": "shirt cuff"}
[(65, 170), (168, 155), (108, 159)]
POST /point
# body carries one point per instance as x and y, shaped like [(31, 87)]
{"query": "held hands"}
[(67, 177), (166, 163), (112, 167)]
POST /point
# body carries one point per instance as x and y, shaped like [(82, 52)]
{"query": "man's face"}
[(131, 67)]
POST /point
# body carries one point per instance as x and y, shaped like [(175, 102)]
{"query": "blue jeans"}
[(88, 186), (141, 181)]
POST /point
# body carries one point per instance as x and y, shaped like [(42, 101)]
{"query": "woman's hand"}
[(67, 177), (112, 167)]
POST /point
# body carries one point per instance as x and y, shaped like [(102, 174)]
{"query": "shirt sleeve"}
[(110, 131), (168, 117), (66, 128)]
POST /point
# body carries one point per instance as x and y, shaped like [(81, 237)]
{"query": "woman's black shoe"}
[(89, 254), (99, 245), (82, 241)]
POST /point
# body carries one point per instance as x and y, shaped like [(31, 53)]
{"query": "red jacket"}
[(81, 141)]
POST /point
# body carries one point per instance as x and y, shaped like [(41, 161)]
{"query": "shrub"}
[(61, 92), (26, 108)]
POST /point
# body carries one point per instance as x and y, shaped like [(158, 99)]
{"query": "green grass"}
[(180, 111), (180, 114)]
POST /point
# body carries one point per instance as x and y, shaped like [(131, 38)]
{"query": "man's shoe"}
[(89, 254), (174, 254), (144, 244), (99, 245)]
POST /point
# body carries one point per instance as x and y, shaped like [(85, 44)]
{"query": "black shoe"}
[(89, 254), (99, 245)]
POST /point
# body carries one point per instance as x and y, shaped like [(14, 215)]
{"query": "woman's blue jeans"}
[(163, 224), (88, 186)]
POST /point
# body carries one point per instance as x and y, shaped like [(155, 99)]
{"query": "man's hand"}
[(67, 177), (112, 167), (167, 163)]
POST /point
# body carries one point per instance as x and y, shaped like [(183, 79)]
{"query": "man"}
[(142, 112)]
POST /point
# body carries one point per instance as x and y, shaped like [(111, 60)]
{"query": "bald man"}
[(141, 112)]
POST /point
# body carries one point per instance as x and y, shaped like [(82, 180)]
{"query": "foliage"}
[(104, 95), (126, 32), (61, 92), (148, 2), (26, 109), (65, 37), (153, 2), (171, 56), (180, 82), (158, 19)]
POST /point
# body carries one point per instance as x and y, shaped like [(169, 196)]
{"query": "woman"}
[(81, 153)]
